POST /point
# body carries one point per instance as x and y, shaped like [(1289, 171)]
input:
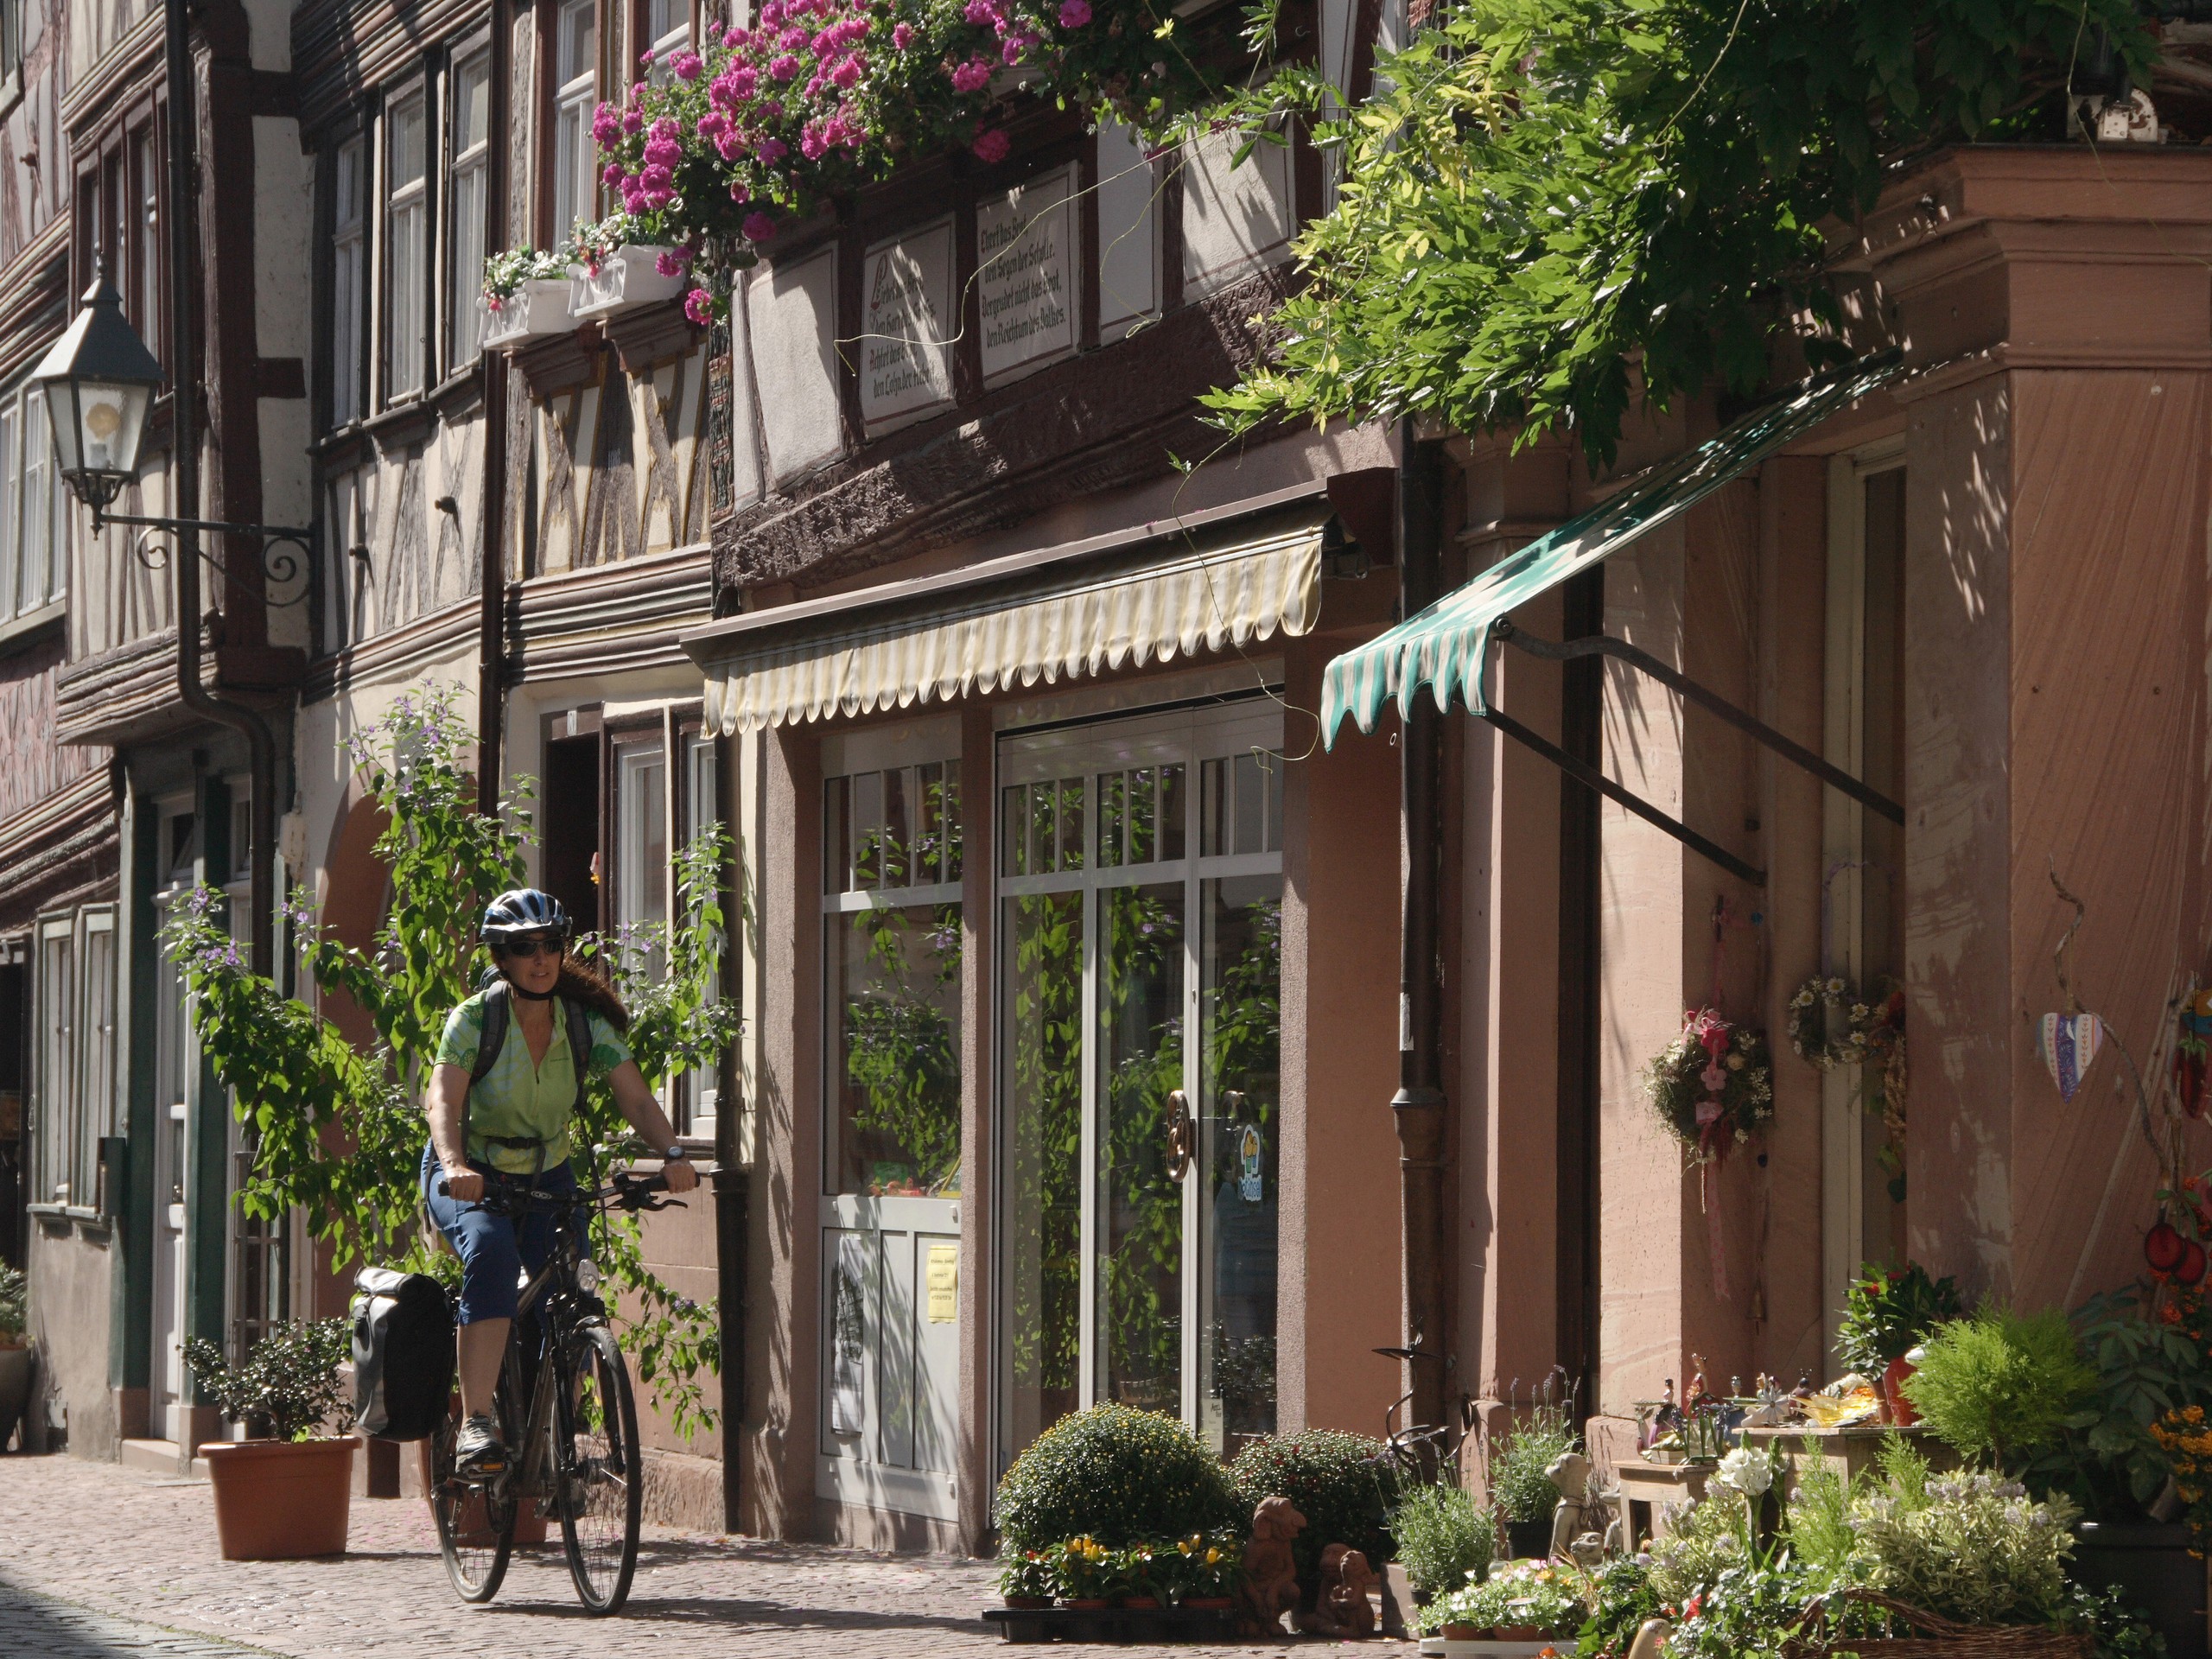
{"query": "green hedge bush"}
[(1335, 1481), (1116, 1474)]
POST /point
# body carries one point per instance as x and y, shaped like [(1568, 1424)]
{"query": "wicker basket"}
[(1945, 1638)]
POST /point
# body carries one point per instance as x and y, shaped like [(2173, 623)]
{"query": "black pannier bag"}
[(402, 1353)]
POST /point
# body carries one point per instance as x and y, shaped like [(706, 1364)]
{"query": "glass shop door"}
[(1139, 883)]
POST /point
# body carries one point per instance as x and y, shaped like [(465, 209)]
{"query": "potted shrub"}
[(1442, 1540), (17, 1358), (1114, 1476), (286, 1493), (1087, 1573), (1337, 1481), (1205, 1569), (1028, 1580), (612, 268), (1886, 1314), (1999, 1388), (1520, 1490), (525, 295)]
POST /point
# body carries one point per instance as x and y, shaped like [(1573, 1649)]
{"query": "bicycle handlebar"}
[(624, 1192)]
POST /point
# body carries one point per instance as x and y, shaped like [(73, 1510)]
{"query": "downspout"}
[(491, 620), (261, 746), (1418, 1107)]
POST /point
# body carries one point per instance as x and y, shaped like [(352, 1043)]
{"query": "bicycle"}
[(573, 1450)]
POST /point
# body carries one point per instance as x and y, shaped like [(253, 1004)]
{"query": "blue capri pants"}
[(494, 1249)]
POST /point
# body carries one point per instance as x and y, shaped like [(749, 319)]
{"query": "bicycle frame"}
[(565, 1306)]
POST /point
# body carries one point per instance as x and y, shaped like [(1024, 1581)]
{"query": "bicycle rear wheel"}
[(596, 1469), (476, 1530)]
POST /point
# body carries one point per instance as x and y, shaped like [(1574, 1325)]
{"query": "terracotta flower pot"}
[(1893, 1376), (1030, 1602), (1141, 1604), (1208, 1604), (278, 1500), (1087, 1603), (1519, 1633), (1463, 1633)]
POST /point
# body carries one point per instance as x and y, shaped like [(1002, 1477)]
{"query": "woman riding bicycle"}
[(509, 1115)]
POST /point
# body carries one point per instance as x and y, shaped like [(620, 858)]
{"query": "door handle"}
[(1182, 1134)]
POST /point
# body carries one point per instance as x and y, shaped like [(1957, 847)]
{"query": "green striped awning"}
[(1446, 646)]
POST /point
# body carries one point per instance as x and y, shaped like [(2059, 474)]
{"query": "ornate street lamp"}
[(100, 381), (98, 378)]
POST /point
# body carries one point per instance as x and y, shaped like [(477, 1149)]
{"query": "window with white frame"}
[(469, 153), (702, 811), (575, 177), (33, 520), (55, 999), (146, 173), (349, 279), (668, 22), (96, 1050), (641, 849), (407, 224)]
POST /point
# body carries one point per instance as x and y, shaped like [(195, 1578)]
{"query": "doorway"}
[(1139, 887)]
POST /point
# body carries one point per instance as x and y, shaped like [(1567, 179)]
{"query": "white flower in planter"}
[(1744, 1470)]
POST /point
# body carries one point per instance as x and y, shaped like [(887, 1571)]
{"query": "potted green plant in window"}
[(286, 1492), (17, 1358), (525, 295)]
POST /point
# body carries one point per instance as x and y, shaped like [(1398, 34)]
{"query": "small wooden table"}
[(1645, 1492), (1849, 1450)]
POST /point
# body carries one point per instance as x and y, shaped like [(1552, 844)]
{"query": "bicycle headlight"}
[(588, 1275)]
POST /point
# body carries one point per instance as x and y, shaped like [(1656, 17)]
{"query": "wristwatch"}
[(675, 1154)]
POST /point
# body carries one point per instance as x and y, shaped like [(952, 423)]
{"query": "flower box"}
[(628, 277), (538, 308)]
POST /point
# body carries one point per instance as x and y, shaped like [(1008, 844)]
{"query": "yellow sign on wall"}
[(944, 1283)]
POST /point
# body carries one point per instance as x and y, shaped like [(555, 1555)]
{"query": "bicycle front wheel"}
[(596, 1469), (476, 1530)]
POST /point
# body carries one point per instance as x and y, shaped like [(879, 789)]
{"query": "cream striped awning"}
[(1011, 623)]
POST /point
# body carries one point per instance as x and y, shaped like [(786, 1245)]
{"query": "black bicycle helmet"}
[(523, 910)]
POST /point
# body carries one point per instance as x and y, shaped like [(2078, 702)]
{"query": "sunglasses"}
[(531, 950)]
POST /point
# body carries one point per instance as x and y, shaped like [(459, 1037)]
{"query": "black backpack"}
[(402, 1353), (498, 1009)]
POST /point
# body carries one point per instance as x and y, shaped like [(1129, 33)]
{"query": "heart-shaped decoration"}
[(2070, 1048)]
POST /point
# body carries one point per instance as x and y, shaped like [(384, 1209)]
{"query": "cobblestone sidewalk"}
[(139, 1553)]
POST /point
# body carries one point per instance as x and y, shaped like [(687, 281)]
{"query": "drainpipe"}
[(1418, 1107), (491, 631), (261, 746)]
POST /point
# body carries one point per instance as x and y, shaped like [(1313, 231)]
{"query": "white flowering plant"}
[(506, 273), (1549, 1598), (1974, 1546)]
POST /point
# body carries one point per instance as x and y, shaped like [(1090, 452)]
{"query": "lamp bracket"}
[(280, 565)]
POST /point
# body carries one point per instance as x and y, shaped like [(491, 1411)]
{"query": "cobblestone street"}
[(98, 1560)]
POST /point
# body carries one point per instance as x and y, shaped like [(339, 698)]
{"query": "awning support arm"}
[(1599, 645), (1583, 772)]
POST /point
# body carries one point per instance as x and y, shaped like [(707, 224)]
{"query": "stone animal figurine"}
[(1270, 1586), (1585, 1527), (1650, 1639), (1341, 1608)]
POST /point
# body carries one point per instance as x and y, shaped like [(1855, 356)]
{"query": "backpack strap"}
[(579, 1046), (498, 1009)]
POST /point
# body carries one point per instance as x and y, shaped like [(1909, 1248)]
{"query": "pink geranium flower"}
[(902, 36), (971, 76), (991, 147), (1074, 14), (699, 306), (757, 227)]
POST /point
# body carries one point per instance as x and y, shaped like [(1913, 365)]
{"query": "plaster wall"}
[(1337, 1227), (2055, 622), (1790, 660), (69, 1275)]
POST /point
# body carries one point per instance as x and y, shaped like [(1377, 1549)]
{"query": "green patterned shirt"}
[(514, 1100)]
